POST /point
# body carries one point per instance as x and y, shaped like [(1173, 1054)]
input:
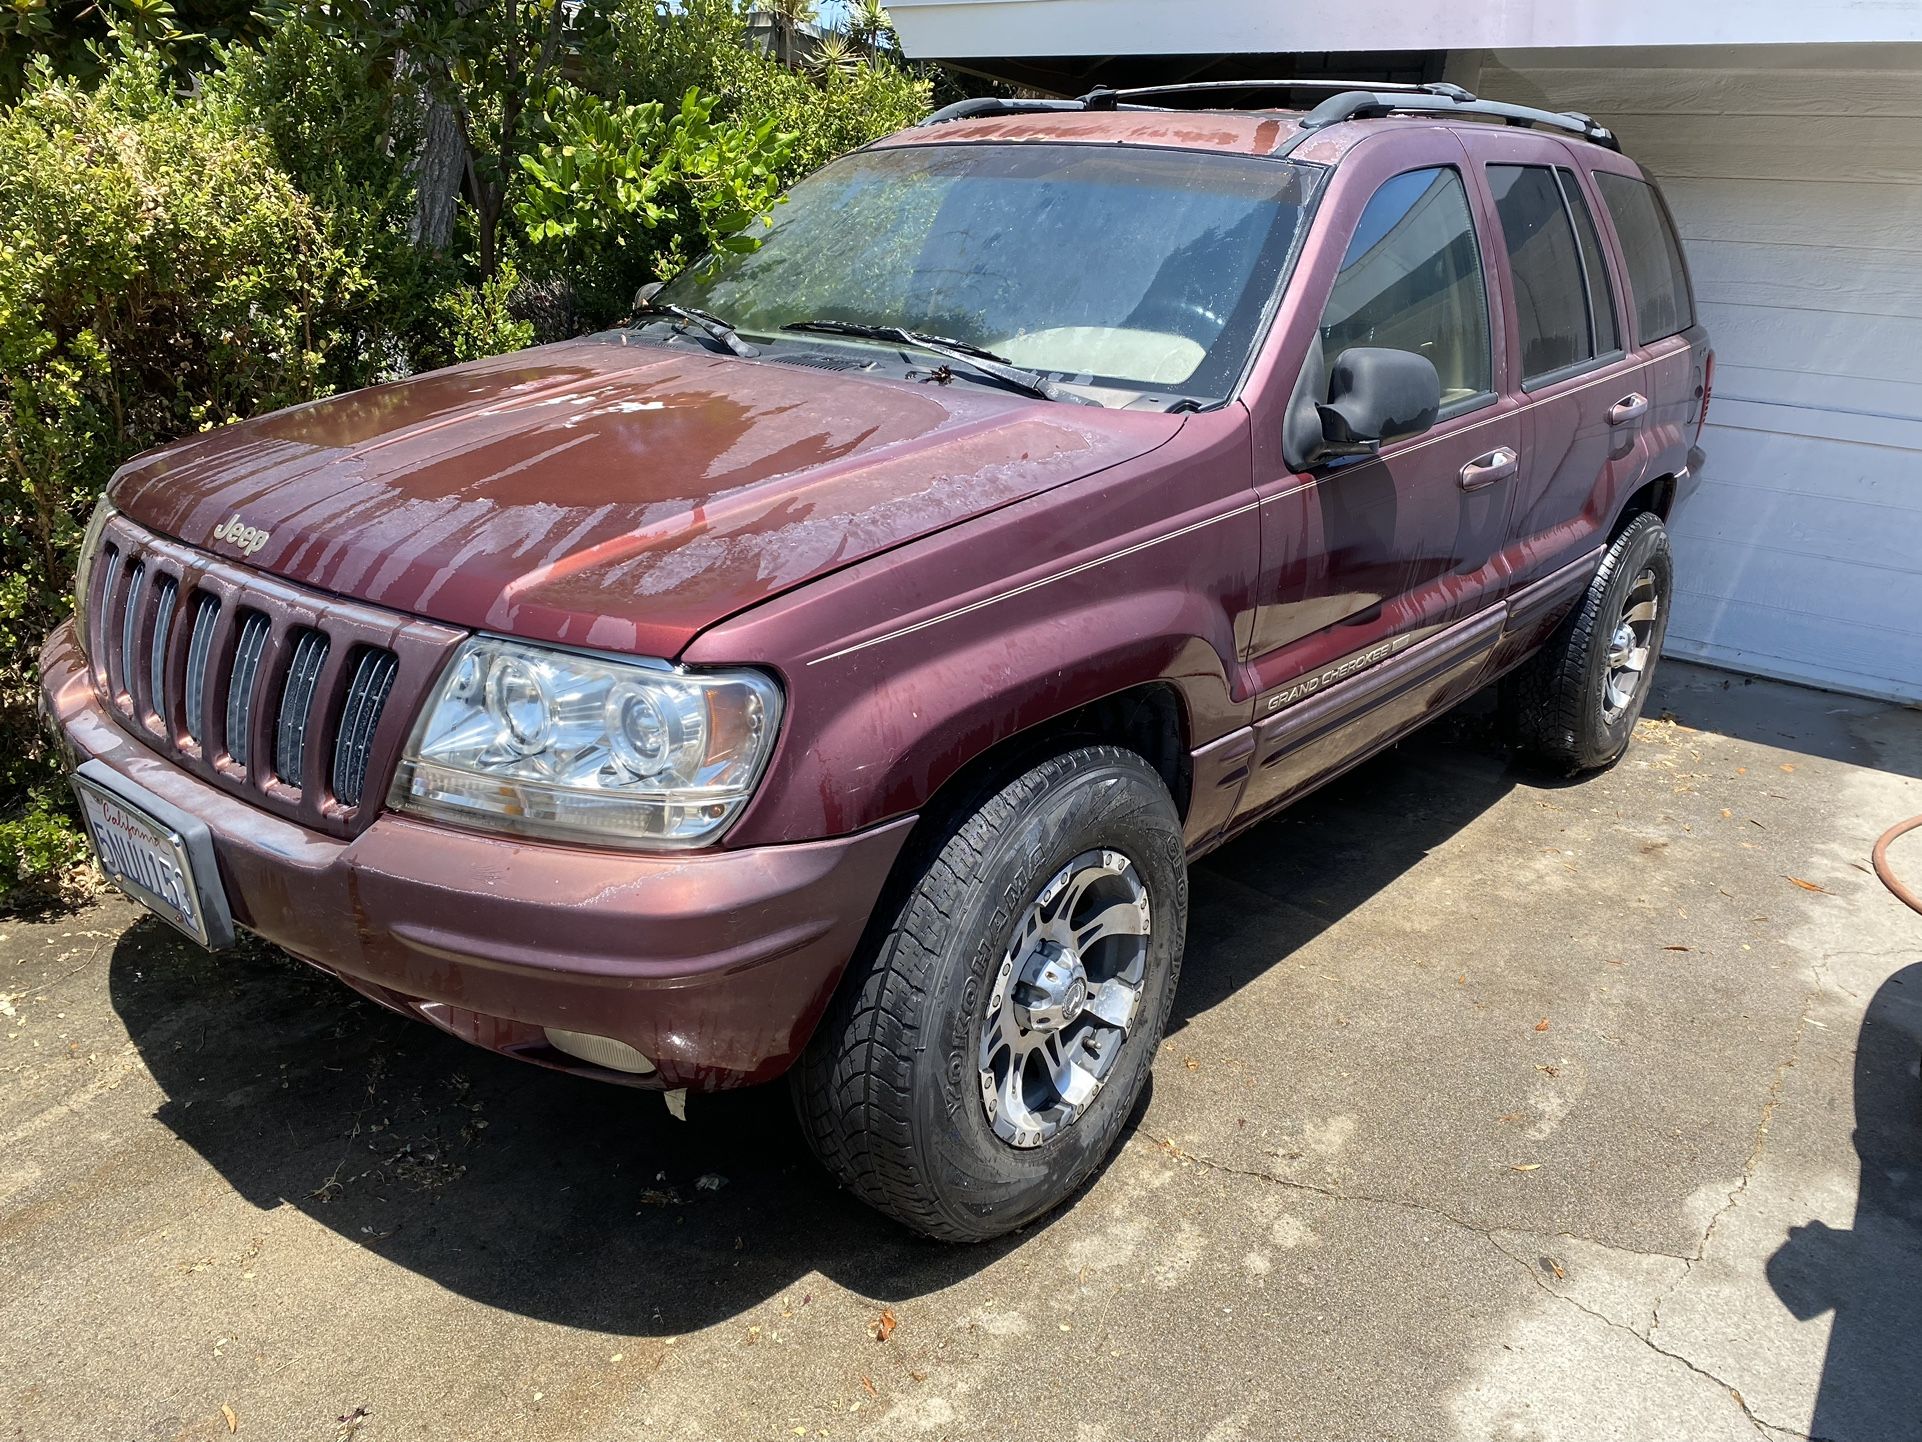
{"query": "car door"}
[(1584, 391), (1366, 558), (1658, 315)]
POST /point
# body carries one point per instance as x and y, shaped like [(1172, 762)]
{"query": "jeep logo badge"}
[(246, 538)]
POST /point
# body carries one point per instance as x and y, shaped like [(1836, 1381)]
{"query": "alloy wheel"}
[(1631, 648), (1065, 997)]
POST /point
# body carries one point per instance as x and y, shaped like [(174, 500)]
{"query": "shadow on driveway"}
[(1870, 1275), (574, 1202)]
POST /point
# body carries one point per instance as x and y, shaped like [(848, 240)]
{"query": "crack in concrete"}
[(1335, 1194), (1757, 1146), (1762, 1426)]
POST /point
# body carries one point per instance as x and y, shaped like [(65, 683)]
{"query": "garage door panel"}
[(1856, 664), (1788, 641), (1883, 347), (1821, 278), (1783, 212), (1895, 433), (1817, 585), (1636, 89), (1781, 386), (1884, 485), (1792, 148), (1800, 535)]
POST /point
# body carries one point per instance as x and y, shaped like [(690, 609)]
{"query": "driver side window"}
[(1412, 280)]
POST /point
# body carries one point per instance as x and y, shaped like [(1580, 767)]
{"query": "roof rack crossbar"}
[(1198, 87), (1360, 104), (984, 105)]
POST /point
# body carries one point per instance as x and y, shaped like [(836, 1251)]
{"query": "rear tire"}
[(1574, 704), (931, 1090)]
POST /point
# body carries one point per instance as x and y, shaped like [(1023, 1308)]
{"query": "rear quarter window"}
[(1656, 274)]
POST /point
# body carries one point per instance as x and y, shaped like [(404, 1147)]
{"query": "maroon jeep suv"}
[(803, 678)]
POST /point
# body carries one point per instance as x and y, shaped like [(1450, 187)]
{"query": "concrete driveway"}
[(1493, 1108)]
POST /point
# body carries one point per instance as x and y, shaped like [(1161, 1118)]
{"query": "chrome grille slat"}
[(109, 576), (296, 706), (240, 687), (129, 624), (359, 721), (199, 645), (166, 593)]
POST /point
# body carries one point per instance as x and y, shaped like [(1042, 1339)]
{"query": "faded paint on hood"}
[(610, 492)]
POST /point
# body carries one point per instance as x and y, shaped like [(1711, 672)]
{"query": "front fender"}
[(947, 648), (901, 730)]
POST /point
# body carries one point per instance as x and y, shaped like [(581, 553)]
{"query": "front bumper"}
[(714, 965)]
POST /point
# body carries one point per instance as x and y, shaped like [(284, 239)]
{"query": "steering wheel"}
[(1182, 317)]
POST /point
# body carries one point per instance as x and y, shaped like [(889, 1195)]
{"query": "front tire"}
[(1574, 704), (984, 1056)]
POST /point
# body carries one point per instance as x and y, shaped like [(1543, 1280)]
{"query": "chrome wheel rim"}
[(1065, 998), (1631, 648)]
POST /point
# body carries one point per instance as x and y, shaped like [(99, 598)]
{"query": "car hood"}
[(611, 492)]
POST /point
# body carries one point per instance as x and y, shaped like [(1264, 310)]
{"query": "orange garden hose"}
[(1883, 869)]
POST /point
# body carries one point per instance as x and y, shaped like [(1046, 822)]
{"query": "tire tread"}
[(852, 1087), (1545, 700)]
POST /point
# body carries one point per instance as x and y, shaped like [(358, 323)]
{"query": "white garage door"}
[(1795, 175)]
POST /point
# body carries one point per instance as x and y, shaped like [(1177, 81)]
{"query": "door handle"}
[(1631, 407), (1498, 465)]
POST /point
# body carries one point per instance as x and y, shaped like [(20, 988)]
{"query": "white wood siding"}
[(1795, 175), (936, 29)]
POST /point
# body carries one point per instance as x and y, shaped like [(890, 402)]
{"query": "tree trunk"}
[(438, 170)]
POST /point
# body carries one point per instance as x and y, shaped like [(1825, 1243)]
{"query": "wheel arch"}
[(1150, 719), (1657, 495)]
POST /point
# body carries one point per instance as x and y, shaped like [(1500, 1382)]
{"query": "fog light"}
[(600, 1050)]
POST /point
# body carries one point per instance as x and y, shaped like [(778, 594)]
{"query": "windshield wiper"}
[(973, 356), (709, 324)]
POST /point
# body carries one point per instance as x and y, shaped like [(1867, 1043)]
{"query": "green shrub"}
[(617, 194), (657, 52), (344, 126), (158, 274), (472, 322)]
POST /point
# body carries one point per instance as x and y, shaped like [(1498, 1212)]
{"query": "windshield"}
[(1143, 270)]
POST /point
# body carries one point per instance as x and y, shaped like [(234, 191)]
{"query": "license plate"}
[(162, 860)]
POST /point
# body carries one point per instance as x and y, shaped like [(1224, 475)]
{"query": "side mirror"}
[(1376, 395)]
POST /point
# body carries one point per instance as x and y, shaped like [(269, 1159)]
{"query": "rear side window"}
[(1601, 298), (1545, 266), (1412, 280), (1663, 305)]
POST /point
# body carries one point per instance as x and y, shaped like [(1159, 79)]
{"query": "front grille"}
[(291, 698)]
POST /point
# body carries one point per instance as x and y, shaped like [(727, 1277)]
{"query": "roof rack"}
[(1103, 98), (1361, 104), (1349, 100)]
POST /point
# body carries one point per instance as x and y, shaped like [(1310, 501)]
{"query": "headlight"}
[(552, 743), (83, 565)]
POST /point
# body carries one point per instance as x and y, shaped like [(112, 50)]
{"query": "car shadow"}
[(1870, 1275), (571, 1201), (1276, 887)]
